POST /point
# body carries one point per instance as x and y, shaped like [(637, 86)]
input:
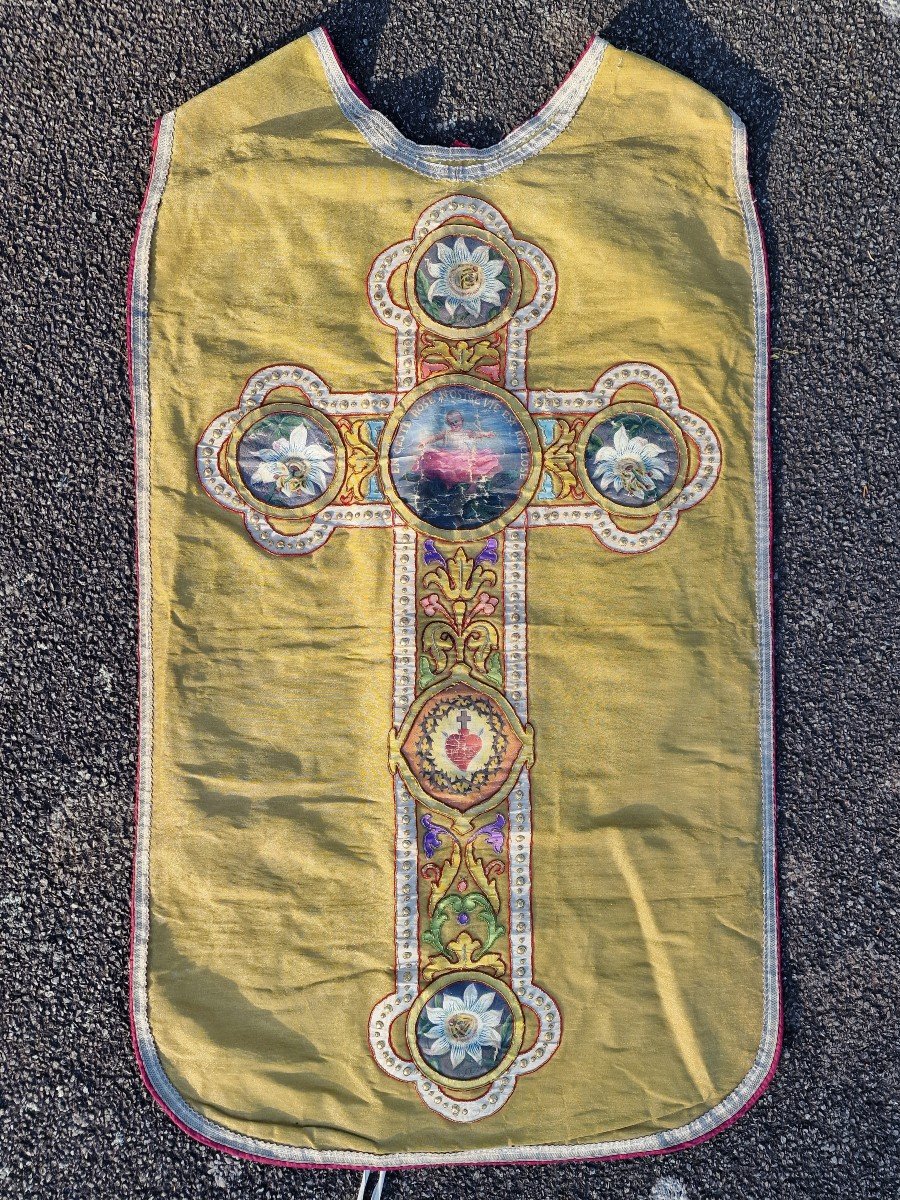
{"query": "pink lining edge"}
[(351, 82), (525, 1162)]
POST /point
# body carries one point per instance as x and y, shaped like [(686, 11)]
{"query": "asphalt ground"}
[(817, 86)]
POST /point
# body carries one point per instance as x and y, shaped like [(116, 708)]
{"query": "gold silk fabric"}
[(455, 802)]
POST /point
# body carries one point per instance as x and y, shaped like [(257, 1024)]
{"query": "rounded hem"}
[(277, 1154)]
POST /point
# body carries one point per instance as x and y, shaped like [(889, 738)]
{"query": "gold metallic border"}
[(476, 233), (526, 492), (518, 1031), (304, 511), (607, 414), (396, 738)]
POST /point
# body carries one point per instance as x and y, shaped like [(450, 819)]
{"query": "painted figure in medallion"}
[(460, 458), (453, 455)]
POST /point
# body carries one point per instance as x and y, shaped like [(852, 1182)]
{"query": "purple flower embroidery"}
[(488, 554), (432, 839), (493, 833), (433, 555)]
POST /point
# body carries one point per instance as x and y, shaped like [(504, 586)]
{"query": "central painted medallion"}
[(463, 457)]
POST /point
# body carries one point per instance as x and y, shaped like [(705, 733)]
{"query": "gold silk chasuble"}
[(455, 814)]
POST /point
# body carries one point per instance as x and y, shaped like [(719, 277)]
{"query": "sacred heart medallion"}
[(462, 745)]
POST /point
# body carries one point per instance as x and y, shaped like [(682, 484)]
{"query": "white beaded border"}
[(665, 395), (316, 391), (406, 934), (515, 644), (406, 859), (526, 317), (521, 932), (392, 314)]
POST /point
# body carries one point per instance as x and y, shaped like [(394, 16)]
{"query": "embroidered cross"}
[(460, 460)]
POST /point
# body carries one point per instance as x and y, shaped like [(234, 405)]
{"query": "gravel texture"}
[(817, 87)]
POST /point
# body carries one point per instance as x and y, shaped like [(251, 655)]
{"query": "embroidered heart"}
[(462, 747)]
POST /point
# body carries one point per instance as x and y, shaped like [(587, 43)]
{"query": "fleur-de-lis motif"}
[(460, 355), (559, 459), (461, 577), (361, 458), (461, 599)]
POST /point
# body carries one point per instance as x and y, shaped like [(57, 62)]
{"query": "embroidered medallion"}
[(462, 278), (460, 461), (461, 746), (465, 1033), (287, 460), (632, 458)]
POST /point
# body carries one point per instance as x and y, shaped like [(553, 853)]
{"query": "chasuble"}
[(455, 802)]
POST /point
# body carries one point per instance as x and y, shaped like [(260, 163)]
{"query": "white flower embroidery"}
[(296, 465), (464, 1027), (465, 277), (630, 465)]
